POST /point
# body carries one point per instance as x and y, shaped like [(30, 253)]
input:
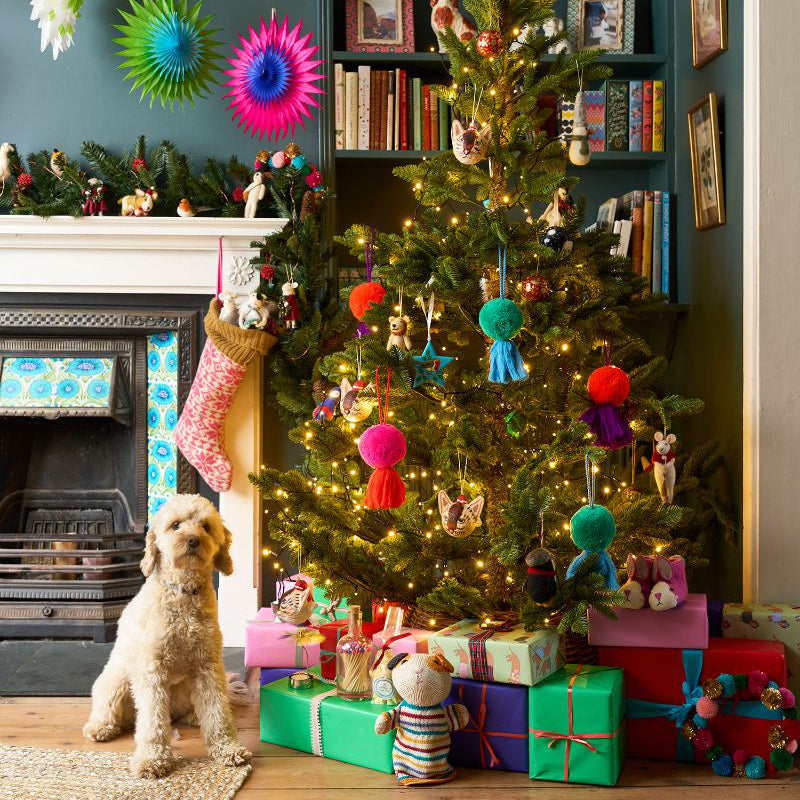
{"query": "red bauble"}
[(24, 181), (535, 287), (365, 295), (609, 385), (489, 43), (138, 163)]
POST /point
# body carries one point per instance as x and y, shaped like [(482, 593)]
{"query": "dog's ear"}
[(148, 563), (222, 560)]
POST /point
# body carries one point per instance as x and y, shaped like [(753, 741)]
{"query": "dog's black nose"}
[(192, 542)]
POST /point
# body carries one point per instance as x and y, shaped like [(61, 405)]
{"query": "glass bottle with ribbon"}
[(353, 659)]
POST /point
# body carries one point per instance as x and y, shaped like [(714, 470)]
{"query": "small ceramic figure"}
[(444, 15), (254, 194), (550, 28)]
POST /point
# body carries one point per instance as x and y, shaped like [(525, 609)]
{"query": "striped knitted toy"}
[(423, 724)]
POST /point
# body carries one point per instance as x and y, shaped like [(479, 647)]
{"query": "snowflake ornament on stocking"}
[(56, 20)]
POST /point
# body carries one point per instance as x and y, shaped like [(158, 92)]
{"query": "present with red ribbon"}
[(409, 640), (577, 726), (380, 608), (332, 632), (496, 736)]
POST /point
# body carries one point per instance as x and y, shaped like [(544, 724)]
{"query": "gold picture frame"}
[(603, 41), (709, 30), (704, 143), (377, 33)]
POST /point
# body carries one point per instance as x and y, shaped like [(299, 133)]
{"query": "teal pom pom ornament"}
[(755, 768)]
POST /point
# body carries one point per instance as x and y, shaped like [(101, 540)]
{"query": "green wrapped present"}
[(577, 726), (315, 721)]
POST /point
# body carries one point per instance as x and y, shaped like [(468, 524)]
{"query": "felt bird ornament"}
[(6, 149), (296, 605), (57, 163), (185, 208)]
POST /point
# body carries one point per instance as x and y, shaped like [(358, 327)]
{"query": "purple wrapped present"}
[(497, 734), (271, 674)]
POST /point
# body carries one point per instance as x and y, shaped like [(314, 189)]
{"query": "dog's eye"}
[(206, 526), (175, 525)]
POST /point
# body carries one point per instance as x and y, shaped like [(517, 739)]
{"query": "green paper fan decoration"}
[(168, 49)]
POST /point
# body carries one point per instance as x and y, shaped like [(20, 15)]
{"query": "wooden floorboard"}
[(289, 775)]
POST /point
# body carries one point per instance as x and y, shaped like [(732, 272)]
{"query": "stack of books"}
[(641, 219), (388, 110), (622, 116)]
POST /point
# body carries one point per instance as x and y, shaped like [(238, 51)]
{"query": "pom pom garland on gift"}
[(609, 388)]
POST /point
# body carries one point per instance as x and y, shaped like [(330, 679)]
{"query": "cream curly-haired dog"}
[(167, 660)]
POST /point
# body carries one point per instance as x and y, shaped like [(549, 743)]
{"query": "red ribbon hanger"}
[(383, 415), (386, 646)]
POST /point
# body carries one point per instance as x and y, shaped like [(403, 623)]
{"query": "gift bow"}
[(386, 645)]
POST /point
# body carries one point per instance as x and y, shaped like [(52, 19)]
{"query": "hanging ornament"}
[(169, 50), (357, 400), (663, 465), (272, 80), (429, 366), (593, 528), (471, 145), (489, 44), (501, 319), (297, 604), (541, 581), (535, 288), (513, 424), (57, 19), (366, 294), (399, 327), (291, 305), (579, 152), (460, 517), (556, 236), (327, 408), (382, 446), (609, 388)]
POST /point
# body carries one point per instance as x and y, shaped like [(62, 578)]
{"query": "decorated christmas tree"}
[(449, 471)]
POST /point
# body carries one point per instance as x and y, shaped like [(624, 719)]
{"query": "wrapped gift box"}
[(380, 608), (771, 623), (498, 656), (683, 627), (270, 674), (411, 640), (332, 632), (497, 734), (662, 686), (715, 618), (577, 726), (315, 721), (269, 643)]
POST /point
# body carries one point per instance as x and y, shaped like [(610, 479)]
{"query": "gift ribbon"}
[(386, 645), (478, 660), (480, 728), (316, 726), (571, 736)]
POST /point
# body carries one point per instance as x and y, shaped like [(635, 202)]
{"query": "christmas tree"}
[(501, 420)]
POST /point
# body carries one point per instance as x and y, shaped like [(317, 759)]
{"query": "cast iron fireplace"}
[(82, 446)]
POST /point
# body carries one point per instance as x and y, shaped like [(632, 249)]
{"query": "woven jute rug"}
[(36, 773)]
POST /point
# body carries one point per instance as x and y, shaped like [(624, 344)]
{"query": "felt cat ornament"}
[(423, 725), (460, 518), (470, 145), (357, 400), (663, 465)]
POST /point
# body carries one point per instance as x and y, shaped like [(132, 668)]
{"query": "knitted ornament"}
[(501, 319), (382, 446), (535, 288), (609, 388), (489, 44)]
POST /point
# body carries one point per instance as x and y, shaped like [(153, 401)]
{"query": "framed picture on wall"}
[(601, 25), (379, 26), (709, 199), (709, 30)]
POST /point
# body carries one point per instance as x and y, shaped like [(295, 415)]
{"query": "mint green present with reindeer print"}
[(498, 653)]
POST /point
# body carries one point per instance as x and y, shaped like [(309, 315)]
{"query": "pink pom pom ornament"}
[(757, 681), (703, 740), (707, 708), (788, 697), (741, 757)]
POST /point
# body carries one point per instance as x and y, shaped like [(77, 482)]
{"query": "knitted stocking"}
[(223, 363)]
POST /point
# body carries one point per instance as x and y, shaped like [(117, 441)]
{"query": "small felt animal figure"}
[(356, 405), (139, 204), (230, 311), (296, 605), (253, 313), (423, 724), (552, 27), (327, 408), (469, 144), (6, 149), (663, 465), (57, 163), (291, 307), (398, 333), (520, 40), (445, 14), (460, 518), (560, 204), (94, 204), (669, 583), (185, 209), (541, 582), (254, 194), (640, 581)]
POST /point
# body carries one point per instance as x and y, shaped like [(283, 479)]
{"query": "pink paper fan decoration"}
[(272, 80)]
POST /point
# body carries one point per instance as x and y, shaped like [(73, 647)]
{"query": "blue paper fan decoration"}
[(168, 50)]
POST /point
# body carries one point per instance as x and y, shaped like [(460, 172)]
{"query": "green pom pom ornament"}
[(781, 759), (592, 528), (500, 318)]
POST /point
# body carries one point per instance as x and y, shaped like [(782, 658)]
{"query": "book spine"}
[(647, 117), (594, 104), (647, 240), (657, 235), (637, 231), (426, 116), (665, 244), (402, 88), (374, 108), (434, 121), (351, 111), (658, 116), (418, 113), (635, 117), (444, 127), (383, 105), (389, 129), (410, 112), (617, 115), (364, 94), (396, 131), (338, 80)]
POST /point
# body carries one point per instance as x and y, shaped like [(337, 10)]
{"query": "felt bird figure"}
[(6, 149), (57, 163), (663, 465), (296, 605), (541, 582), (185, 208)]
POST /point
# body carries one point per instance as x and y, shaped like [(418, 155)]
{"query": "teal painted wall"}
[(82, 95)]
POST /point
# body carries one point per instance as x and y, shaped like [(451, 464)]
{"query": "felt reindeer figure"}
[(663, 465), (423, 724), (444, 15)]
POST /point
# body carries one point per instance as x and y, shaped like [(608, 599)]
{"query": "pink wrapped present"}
[(684, 627), (269, 643), (408, 640)]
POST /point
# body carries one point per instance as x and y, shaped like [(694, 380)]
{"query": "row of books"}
[(622, 116), (388, 110), (641, 218)]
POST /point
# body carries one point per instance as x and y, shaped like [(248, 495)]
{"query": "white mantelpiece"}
[(162, 256)]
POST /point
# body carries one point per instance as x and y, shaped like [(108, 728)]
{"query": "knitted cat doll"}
[(423, 725)]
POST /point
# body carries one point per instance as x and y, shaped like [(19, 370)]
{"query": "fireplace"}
[(88, 401)]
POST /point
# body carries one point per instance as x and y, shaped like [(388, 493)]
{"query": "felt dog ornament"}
[(398, 333), (663, 465), (657, 581), (423, 725), (459, 517)]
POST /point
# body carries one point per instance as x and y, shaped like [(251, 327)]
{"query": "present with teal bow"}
[(663, 686)]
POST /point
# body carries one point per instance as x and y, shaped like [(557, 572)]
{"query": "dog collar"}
[(176, 587)]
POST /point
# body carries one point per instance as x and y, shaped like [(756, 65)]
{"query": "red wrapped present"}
[(662, 686), (332, 632), (380, 608)]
